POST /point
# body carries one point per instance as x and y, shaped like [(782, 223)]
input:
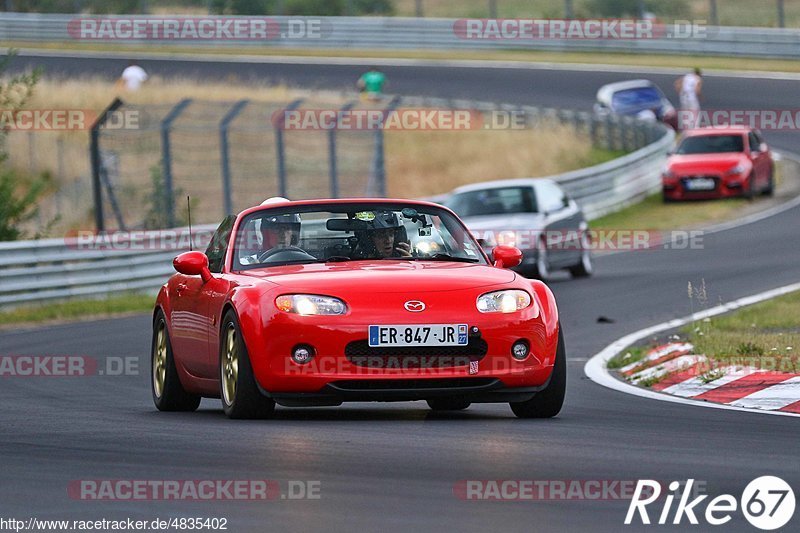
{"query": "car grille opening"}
[(361, 354), (412, 384)]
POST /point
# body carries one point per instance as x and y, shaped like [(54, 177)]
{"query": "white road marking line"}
[(777, 396)]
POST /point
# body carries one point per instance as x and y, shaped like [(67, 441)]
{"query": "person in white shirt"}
[(690, 90), (133, 77)]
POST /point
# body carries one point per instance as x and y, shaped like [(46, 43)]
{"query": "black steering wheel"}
[(290, 250)]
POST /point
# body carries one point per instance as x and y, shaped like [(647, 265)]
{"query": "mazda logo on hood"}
[(415, 306)]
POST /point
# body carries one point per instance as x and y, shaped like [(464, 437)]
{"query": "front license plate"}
[(701, 184), (419, 335)]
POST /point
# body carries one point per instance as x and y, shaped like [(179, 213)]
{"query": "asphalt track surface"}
[(392, 467)]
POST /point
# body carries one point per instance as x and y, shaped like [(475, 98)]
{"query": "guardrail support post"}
[(279, 147), (94, 156), (610, 144), (377, 181), (224, 125), (627, 134), (334, 172), (166, 158)]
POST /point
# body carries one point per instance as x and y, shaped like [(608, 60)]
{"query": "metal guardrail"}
[(613, 185), (427, 33), (51, 269)]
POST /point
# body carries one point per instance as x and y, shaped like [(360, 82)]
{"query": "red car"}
[(719, 162), (323, 301)]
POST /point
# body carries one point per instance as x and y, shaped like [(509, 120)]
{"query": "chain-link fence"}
[(228, 156)]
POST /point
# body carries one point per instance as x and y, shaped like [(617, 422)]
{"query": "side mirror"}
[(193, 264), (506, 256)]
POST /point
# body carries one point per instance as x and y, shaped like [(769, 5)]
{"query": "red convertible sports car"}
[(719, 162), (322, 301)]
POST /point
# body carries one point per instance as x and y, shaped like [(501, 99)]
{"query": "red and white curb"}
[(742, 389), (678, 372)]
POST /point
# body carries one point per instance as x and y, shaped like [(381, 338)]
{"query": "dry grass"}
[(653, 214), (418, 163), (423, 164), (65, 155)]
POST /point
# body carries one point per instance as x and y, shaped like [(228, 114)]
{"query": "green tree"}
[(18, 194)]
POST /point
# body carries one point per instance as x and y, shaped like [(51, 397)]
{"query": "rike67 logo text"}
[(767, 502)]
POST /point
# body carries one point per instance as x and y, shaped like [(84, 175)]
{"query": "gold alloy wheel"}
[(160, 361), (230, 365)]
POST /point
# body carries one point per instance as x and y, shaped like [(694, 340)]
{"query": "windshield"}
[(352, 232), (501, 201), (635, 100), (711, 144)]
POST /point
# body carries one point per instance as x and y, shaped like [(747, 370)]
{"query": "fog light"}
[(520, 350), (302, 354)]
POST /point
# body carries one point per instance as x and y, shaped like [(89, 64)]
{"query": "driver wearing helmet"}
[(279, 236), (280, 231), (384, 236)]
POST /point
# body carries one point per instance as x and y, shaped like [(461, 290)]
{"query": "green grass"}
[(79, 309), (768, 330), (598, 156), (653, 214), (631, 355)]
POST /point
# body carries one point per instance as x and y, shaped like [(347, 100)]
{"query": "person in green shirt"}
[(371, 83)]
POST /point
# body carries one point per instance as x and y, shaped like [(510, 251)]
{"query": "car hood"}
[(384, 276), (705, 163)]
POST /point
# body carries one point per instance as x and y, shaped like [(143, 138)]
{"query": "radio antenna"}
[(189, 211)]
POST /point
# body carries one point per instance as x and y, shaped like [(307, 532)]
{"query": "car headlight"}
[(738, 169), (310, 304), (503, 301)]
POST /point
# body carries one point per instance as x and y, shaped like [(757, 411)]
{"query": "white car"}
[(535, 215)]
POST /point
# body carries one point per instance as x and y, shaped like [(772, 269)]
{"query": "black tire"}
[(585, 267), (244, 400), (548, 402), (769, 190), (750, 193), (165, 385), (541, 270), (448, 404)]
